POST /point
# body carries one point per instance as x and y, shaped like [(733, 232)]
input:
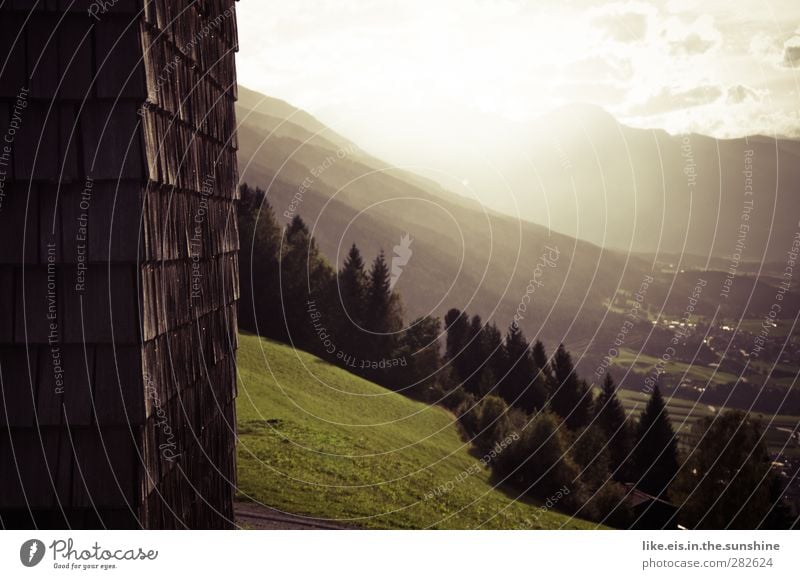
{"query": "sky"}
[(376, 70)]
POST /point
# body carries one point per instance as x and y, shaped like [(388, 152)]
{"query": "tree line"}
[(567, 433)]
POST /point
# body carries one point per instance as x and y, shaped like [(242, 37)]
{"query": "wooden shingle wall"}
[(118, 264)]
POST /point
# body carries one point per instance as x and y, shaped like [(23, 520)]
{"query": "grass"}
[(317, 441), (644, 364)]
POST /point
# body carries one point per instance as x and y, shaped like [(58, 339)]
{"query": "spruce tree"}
[(383, 317), (259, 243), (353, 285), (471, 364), (457, 325), (570, 396), (656, 452), (305, 280), (540, 358), (610, 416), (350, 335), (420, 359), (494, 353), (379, 295), (520, 387)]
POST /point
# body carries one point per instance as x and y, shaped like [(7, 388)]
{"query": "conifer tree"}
[(570, 396), (474, 358), (353, 285), (656, 453), (457, 324), (610, 416), (520, 387), (259, 243), (379, 295), (540, 358), (383, 317), (419, 359), (350, 321), (494, 353), (305, 279)]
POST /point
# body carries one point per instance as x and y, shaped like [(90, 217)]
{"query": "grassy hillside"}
[(316, 440)]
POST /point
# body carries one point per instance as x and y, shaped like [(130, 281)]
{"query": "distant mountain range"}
[(482, 261), (586, 175)]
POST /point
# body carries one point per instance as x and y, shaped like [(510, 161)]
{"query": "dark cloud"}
[(791, 53)]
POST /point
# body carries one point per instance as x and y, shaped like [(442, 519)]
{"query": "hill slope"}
[(318, 441), (464, 256), (481, 261)]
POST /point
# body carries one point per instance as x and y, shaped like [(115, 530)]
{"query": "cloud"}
[(781, 54), (676, 98), (740, 93), (692, 37), (693, 44), (791, 52), (625, 23)]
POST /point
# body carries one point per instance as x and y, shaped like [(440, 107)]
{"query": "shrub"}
[(487, 422), (537, 462), (608, 505)]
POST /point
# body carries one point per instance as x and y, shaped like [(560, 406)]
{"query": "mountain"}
[(467, 256), (586, 175), (464, 255), (360, 455)]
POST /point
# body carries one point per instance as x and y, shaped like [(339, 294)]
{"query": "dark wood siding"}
[(117, 381)]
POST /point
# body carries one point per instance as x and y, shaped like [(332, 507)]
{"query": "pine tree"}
[(379, 295), (471, 364), (259, 244), (306, 279), (457, 325), (656, 452), (610, 416), (383, 317), (419, 359), (540, 358), (520, 387), (495, 357), (350, 318), (570, 398), (353, 285)]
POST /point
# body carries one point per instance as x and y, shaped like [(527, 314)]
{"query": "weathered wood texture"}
[(118, 263)]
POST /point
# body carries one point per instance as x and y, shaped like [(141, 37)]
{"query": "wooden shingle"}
[(42, 57), (36, 143), (12, 47), (19, 224), (111, 141), (118, 392), (19, 371), (120, 73)]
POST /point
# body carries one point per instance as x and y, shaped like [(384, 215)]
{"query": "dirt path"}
[(254, 516)]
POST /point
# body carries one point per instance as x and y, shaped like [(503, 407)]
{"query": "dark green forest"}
[(543, 427)]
